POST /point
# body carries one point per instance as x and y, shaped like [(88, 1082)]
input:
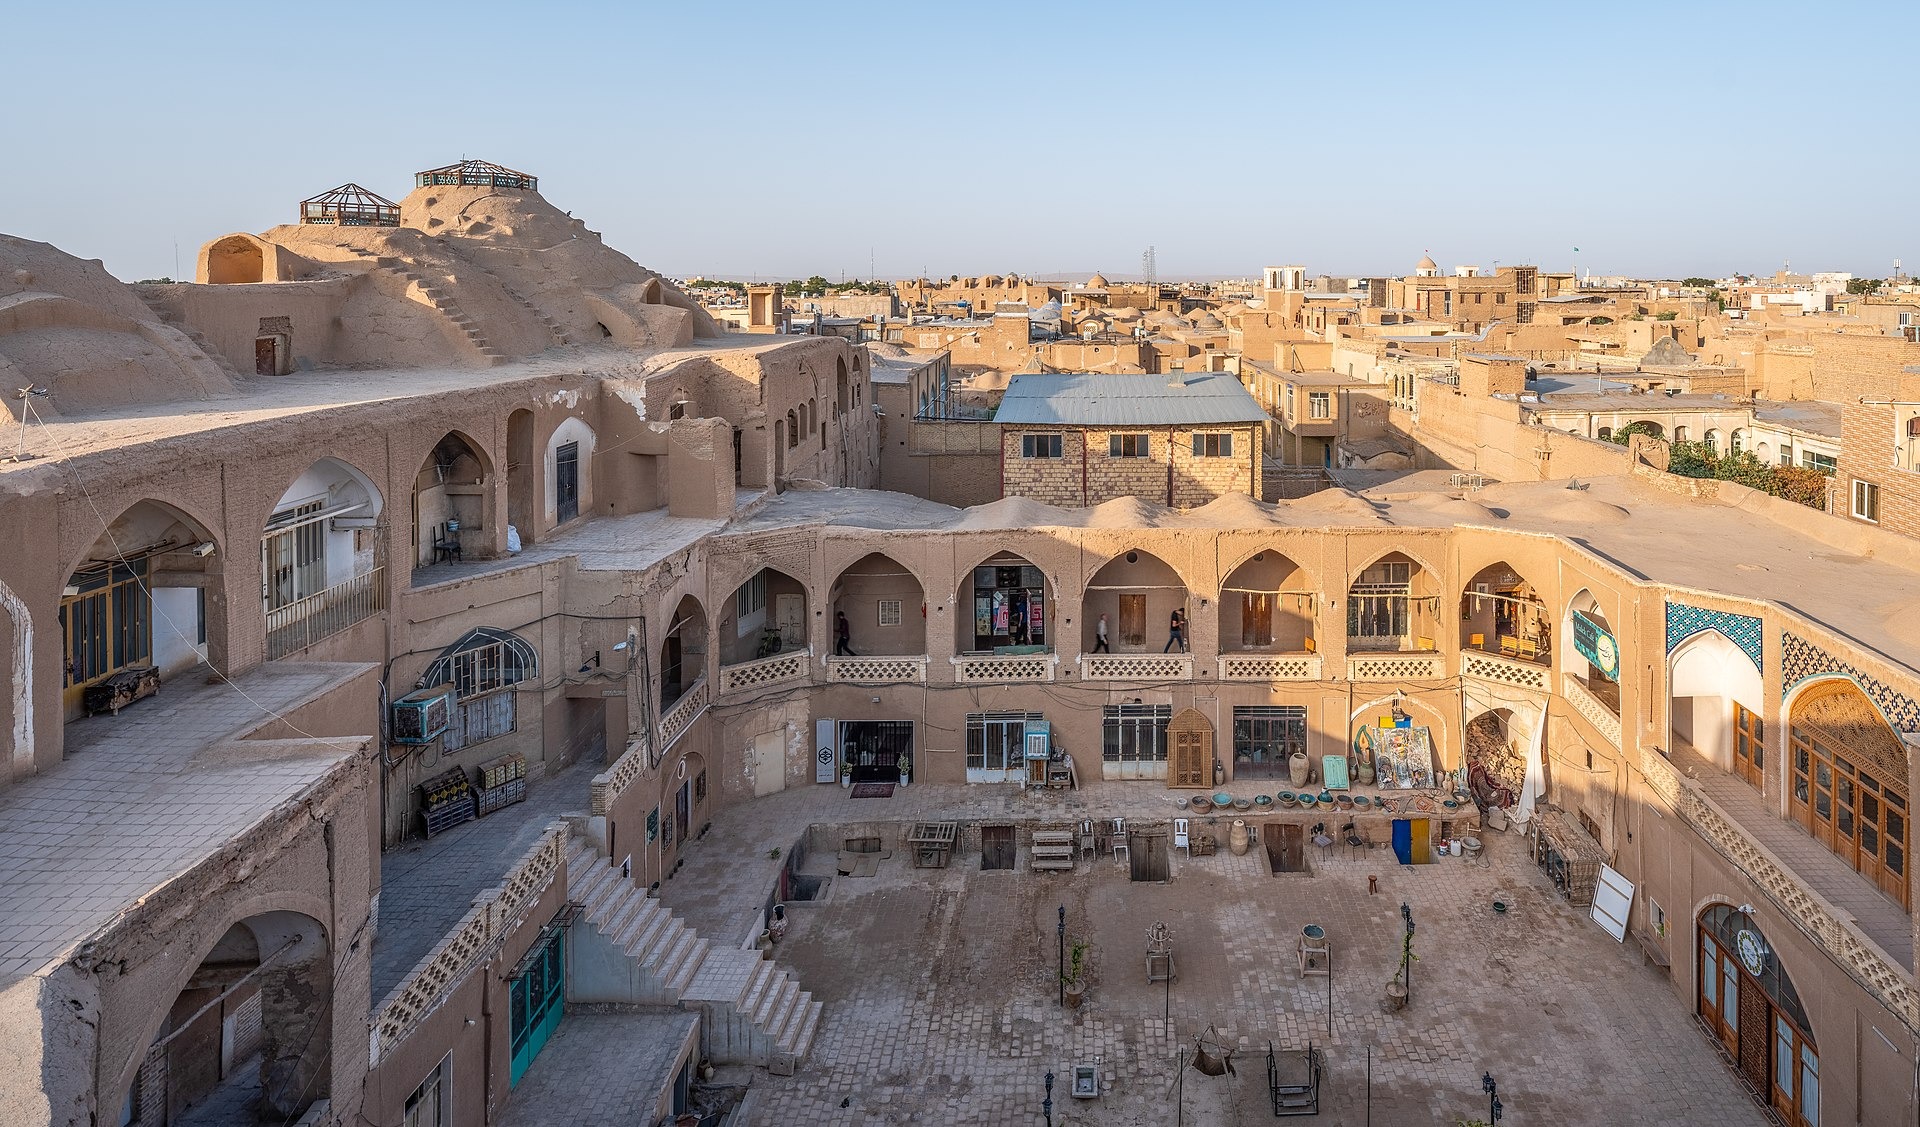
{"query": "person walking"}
[(1100, 637), (1176, 631), (842, 635)]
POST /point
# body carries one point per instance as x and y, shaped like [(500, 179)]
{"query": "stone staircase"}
[(752, 1010), (441, 299), (556, 331)]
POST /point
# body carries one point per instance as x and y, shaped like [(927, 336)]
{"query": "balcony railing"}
[(1395, 667), (683, 713), (1270, 667), (900, 670), (1589, 706), (976, 669), (301, 623), (1137, 667), (765, 672), (1503, 671)]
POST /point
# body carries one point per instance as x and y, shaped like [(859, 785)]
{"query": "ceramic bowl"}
[(1306, 801), (1288, 798), (1243, 804), (1223, 800), (1262, 800)]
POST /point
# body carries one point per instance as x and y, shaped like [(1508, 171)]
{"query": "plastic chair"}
[(1180, 837), (1120, 838)]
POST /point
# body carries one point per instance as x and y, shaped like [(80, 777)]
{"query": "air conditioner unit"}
[(422, 715)]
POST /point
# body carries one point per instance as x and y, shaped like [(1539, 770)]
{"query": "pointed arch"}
[(1138, 593), (885, 603)]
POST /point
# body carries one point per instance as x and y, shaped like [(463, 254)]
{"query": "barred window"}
[(889, 612), (994, 738), (1135, 733), (482, 667)]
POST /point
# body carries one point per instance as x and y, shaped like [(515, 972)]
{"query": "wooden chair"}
[(1477, 641), (1509, 645), (1088, 849)]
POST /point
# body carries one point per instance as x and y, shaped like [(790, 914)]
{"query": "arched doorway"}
[(885, 607), (1136, 594), (1004, 603), (523, 480), (235, 260), (1590, 652), (249, 1035), (689, 798), (683, 651), (1715, 703), (1749, 1004), (139, 600), (569, 471), (450, 502), (1501, 612), (1496, 761), (320, 557), (767, 616), (1392, 605), (1267, 606), (1847, 782), (483, 667)]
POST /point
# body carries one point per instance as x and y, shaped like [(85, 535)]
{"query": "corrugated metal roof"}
[(1128, 400)]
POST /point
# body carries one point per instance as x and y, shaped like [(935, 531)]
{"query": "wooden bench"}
[(1052, 850), (1650, 948)]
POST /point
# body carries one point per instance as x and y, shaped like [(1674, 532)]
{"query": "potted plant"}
[(1075, 977), (1397, 989), (846, 774), (906, 769)]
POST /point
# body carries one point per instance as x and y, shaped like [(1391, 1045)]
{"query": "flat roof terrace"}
[(142, 797)]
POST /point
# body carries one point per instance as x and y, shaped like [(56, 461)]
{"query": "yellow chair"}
[(1477, 641), (1509, 645)]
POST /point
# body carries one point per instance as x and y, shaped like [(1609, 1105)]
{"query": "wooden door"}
[(790, 612), (1286, 847), (1749, 751), (1147, 856), (996, 847), (1256, 619), (1133, 620), (1719, 992), (1189, 759), (266, 359), (1422, 840), (770, 762)]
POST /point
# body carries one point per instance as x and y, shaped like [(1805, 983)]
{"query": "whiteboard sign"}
[(1612, 901)]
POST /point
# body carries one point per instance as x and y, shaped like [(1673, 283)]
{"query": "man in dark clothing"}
[(842, 635), (1176, 631)]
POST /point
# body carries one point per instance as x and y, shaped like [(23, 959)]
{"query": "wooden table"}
[(932, 843)]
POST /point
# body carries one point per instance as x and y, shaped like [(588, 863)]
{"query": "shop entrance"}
[(875, 748), (1009, 605), (1749, 1004)]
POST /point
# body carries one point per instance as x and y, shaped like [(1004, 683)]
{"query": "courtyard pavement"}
[(600, 1070), (940, 995)]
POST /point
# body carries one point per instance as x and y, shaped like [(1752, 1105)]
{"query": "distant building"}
[(1085, 439)]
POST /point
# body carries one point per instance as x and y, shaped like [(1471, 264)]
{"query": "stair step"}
[(667, 945), (803, 1042), (648, 934), (782, 1012), (753, 998), (790, 1031), (691, 962), (631, 904)]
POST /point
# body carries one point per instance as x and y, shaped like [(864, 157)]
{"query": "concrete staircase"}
[(627, 947)]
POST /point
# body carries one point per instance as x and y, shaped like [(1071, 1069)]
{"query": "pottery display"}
[(1297, 769)]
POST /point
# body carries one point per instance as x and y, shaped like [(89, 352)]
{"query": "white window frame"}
[(751, 598), (1870, 492), (889, 612), (1319, 405)]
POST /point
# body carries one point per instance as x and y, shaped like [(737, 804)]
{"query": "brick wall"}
[(1086, 473)]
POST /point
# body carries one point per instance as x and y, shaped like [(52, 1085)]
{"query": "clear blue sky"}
[(790, 139)]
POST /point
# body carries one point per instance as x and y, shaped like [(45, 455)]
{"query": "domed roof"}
[(1097, 282), (1208, 321), (1125, 313), (1427, 263)]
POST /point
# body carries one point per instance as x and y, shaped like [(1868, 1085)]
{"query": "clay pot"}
[(1238, 837), (1297, 769), (1396, 996), (1366, 771), (1076, 991)]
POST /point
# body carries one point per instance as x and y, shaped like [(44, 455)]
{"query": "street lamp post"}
[(1493, 1097), (1046, 1105), (1062, 931)]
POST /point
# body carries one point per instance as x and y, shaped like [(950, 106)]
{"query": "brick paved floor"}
[(142, 797), (600, 1070), (940, 995), (427, 885)]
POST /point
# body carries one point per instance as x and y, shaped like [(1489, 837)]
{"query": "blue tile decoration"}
[(1684, 622), (1801, 660)]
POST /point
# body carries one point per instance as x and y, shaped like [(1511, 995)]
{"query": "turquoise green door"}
[(538, 1001)]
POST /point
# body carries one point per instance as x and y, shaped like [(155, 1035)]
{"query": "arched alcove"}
[(884, 604), (1136, 593), (1267, 605), (1715, 702)]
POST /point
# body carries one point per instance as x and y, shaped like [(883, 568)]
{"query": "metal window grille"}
[(1135, 733)]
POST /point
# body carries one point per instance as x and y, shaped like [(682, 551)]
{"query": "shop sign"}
[(1593, 642)]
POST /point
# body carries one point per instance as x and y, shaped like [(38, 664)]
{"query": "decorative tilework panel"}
[(1801, 659), (1684, 622)]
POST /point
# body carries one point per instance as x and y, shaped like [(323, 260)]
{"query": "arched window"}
[(793, 430), (1606, 433), (482, 668)]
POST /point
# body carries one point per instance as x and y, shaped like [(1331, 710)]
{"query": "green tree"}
[(1864, 285), (1697, 283)]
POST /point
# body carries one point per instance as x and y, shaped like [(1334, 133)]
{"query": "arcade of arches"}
[(1847, 783)]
